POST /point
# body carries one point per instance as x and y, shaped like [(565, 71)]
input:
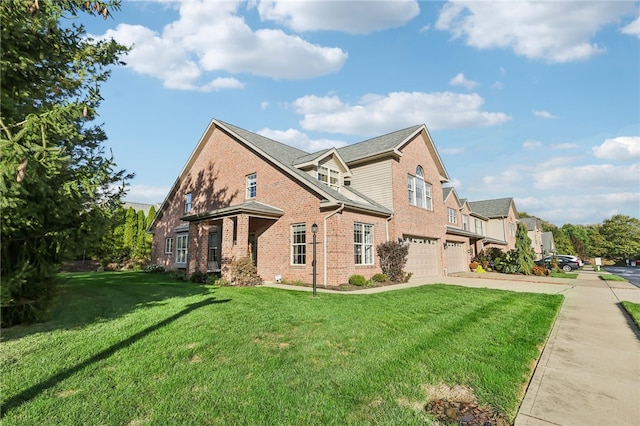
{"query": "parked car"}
[(565, 263), (567, 256)]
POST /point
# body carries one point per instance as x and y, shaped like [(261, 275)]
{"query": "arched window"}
[(419, 191)]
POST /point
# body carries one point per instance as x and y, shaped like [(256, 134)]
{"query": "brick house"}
[(502, 222), (241, 194)]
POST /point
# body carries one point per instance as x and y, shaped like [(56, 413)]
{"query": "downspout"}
[(386, 225), (324, 243)]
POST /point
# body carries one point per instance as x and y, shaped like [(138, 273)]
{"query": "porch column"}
[(242, 237), (226, 249)]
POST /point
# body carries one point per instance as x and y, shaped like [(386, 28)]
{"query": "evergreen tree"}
[(141, 238), (55, 180), (525, 254), (150, 216), (131, 231)]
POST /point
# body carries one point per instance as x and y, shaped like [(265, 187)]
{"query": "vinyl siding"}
[(374, 181)]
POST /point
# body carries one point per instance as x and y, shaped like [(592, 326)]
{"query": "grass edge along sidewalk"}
[(135, 348)]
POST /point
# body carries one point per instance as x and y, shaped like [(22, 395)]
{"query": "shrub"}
[(178, 275), (393, 257), (539, 270), (198, 277), (358, 280), (508, 263), (480, 270), (221, 282), (407, 277), (244, 273), (154, 269), (379, 278)]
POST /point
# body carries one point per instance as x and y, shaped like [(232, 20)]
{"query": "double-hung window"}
[(298, 244), (478, 225), (181, 248), (168, 245), (187, 203), (465, 222), (363, 244), (419, 191), (451, 215), (251, 185), (329, 177)]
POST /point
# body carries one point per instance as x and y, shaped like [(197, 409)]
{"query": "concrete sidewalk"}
[(589, 370)]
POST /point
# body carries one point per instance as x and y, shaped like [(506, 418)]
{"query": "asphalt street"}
[(631, 273)]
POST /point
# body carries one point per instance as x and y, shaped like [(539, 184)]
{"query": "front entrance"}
[(253, 248), (213, 257)]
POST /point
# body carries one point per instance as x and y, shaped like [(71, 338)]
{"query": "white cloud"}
[(529, 145), (147, 194), (592, 176), (543, 114), (300, 140), (619, 149), (210, 37), (304, 16), (567, 145), (378, 114), (633, 28), (264, 105), (461, 80), (552, 31), (497, 85), (451, 151)]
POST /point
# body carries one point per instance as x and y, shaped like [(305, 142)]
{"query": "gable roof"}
[(532, 223), (450, 190), (284, 157), (391, 144), (496, 208)]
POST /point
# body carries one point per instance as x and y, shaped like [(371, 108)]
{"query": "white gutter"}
[(324, 243)]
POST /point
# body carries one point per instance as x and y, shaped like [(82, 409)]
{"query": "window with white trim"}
[(187, 203), (478, 227), (363, 244), (299, 244), (252, 185), (329, 176), (419, 191), (452, 215), (465, 222), (168, 245), (512, 230), (181, 248)]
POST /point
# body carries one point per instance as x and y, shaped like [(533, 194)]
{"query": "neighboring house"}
[(534, 231), (502, 222), (241, 194), (548, 242)]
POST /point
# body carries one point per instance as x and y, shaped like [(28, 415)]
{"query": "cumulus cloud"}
[(301, 140), (302, 16), (592, 175), (633, 28), (377, 114), (551, 31), (567, 145), (543, 114), (147, 194), (529, 145), (620, 149), (461, 80), (212, 38)]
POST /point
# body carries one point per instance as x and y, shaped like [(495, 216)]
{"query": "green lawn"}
[(634, 310), (138, 349), (611, 277), (569, 275)]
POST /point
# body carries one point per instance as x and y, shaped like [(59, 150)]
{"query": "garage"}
[(422, 260), (456, 257)]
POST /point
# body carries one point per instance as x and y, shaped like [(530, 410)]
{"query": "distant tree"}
[(562, 242), (579, 237), (131, 230), (141, 238), (597, 244), (525, 254), (55, 178), (622, 236)]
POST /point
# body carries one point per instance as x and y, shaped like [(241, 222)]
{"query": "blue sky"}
[(535, 101)]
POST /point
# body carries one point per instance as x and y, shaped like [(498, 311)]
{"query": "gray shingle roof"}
[(498, 207), (531, 222), (377, 145)]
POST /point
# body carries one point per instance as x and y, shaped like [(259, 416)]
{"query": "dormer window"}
[(329, 176)]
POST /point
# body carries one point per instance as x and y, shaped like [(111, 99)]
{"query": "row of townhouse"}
[(241, 194)]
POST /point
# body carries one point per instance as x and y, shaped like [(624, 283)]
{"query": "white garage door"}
[(456, 256), (423, 257)]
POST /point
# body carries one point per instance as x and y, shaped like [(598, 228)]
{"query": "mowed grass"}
[(138, 349), (611, 277), (634, 311)]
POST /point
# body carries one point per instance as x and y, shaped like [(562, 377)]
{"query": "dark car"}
[(564, 263)]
